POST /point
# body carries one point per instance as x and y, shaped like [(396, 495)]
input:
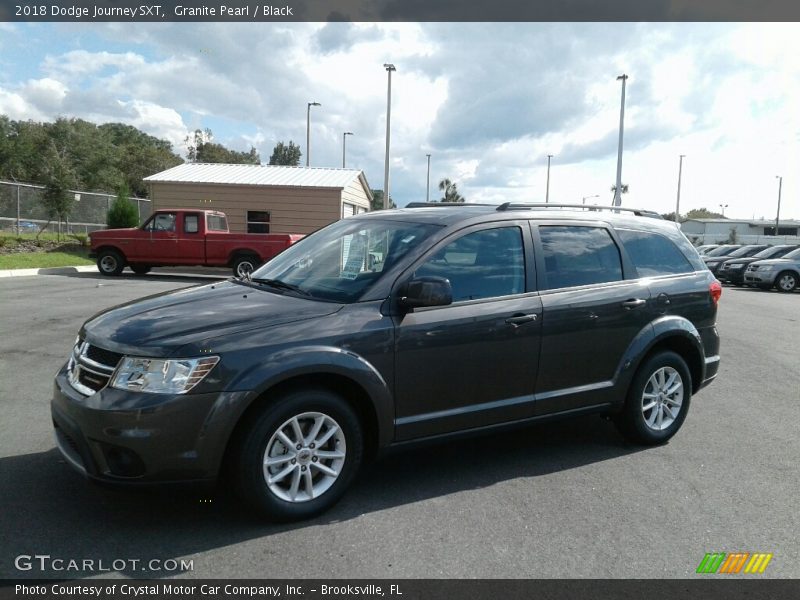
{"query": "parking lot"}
[(568, 499)]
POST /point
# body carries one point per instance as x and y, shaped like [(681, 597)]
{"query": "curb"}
[(47, 271)]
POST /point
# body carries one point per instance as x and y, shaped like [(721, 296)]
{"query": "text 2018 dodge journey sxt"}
[(388, 328)]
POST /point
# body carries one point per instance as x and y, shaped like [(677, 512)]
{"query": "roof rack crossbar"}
[(591, 207)]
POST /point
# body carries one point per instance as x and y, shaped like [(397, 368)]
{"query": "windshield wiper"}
[(281, 285)]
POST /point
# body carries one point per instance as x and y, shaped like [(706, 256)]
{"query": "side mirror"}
[(426, 291)]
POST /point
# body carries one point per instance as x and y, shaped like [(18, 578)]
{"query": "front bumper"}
[(760, 278), (731, 275), (125, 437)]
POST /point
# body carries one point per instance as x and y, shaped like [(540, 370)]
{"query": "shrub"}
[(122, 213), (82, 238)]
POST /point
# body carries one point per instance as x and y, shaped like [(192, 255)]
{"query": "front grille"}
[(91, 367), (92, 380), (102, 356)]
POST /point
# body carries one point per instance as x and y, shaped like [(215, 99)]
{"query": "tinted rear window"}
[(653, 254), (579, 256)]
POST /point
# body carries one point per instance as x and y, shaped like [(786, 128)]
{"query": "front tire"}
[(110, 263), (658, 400), (299, 455), (786, 282)]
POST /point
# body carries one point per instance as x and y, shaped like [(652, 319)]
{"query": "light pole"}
[(618, 186), (778, 216), (547, 191), (678, 201), (344, 145), (389, 68), (585, 198), (308, 131), (428, 181), (723, 207)]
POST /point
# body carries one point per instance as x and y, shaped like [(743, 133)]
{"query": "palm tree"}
[(450, 191), (624, 190)]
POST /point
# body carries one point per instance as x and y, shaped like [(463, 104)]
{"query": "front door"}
[(474, 362), (160, 242)]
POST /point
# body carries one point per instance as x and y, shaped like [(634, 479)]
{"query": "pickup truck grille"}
[(91, 367)]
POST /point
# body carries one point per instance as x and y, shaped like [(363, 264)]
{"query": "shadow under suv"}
[(391, 328)]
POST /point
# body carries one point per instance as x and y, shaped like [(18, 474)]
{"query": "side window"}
[(162, 222), (216, 223), (257, 221), (576, 255), (190, 224), (653, 254), (483, 264)]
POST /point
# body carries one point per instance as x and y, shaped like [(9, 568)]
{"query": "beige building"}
[(264, 198)]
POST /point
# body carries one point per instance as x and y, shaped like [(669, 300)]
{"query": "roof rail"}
[(443, 204), (591, 207)]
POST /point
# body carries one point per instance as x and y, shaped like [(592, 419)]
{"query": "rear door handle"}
[(518, 320), (633, 303)]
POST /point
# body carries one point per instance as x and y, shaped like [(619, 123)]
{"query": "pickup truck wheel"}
[(786, 282), (657, 401), (244, 265), (140, 269), (299, 455), (110, 262)]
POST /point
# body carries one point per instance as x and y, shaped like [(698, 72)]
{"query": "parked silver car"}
[(781, 273)]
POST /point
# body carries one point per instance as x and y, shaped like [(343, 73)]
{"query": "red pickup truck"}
[(172, 237)]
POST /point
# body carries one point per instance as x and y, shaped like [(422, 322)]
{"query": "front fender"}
[(292, 363)]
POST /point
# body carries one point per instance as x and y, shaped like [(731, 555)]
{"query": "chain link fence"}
[(22, 209)]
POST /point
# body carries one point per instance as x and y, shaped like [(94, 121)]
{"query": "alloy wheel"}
[(662, 398)]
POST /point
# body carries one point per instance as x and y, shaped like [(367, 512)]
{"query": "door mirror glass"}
[(426, 291)]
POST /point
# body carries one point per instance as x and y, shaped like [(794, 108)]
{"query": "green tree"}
[(377, 200), (201, 149), (122, 212), (450, 190), (59, 178), (286, 155), (703, 213)]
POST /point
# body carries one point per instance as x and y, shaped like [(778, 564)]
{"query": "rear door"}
[(592, 311)]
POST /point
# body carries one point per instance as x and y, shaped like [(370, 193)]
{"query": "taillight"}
[(715, 291)]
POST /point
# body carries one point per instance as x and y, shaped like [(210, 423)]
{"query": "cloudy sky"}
[(488, 101)]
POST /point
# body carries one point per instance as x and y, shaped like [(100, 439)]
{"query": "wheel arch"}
[(117, 249), (242, 251)]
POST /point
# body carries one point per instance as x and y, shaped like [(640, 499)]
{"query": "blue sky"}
[(488, 101)]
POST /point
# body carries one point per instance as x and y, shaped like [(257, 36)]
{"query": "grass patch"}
[(47, 236), (43, 260)]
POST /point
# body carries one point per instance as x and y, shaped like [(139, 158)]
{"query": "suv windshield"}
[(342, 261), (722, 251), (774, 252), (793, 254)]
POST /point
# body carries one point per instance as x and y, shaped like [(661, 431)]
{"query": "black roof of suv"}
[(391, 328)]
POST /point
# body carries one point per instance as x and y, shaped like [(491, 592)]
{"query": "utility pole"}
[(678, 201), (389, 68), (618, 186), (428, 181), (778, 216), (547, 191)]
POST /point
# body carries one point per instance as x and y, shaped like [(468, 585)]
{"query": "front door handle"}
[(633, 303), (521, 319)]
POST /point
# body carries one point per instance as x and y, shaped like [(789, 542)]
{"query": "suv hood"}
[(159, 325), (772, 261)]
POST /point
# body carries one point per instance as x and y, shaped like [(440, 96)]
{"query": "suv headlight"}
[(161, 376), (766, 267)]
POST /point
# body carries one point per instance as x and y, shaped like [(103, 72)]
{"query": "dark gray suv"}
[(387, 329)]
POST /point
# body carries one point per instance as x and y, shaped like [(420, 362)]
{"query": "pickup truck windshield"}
[(342, 261)]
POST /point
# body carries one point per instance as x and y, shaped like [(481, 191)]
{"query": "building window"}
[(257, 221), (348, 210)]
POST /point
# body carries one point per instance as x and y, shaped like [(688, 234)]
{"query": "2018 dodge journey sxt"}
[(389, 328)]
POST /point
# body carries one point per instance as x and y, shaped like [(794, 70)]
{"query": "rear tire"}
[(244, 265), (786, 282), (110, 263), (314, 444), (657, 401), (140, 269)]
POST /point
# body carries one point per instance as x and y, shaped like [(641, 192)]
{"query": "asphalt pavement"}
[(567, 499)]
